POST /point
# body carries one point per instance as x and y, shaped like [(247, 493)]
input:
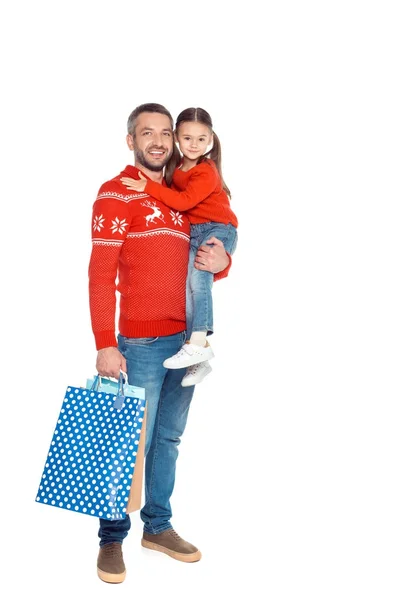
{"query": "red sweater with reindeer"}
[(140, 249)]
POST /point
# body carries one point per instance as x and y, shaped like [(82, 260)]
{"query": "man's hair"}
[(143, 108)]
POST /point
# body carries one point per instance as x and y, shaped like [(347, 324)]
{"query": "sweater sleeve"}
[(201, 183), (110, 225)]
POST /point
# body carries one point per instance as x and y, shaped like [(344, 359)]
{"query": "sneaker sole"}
[(188, 558), (111, 577)]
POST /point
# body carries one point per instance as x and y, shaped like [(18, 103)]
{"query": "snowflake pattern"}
[(119, 226), (176, 217), (98, 223)]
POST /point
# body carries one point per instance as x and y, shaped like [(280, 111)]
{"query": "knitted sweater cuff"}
[(105, 339)]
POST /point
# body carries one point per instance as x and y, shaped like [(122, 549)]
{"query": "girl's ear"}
[(175, 137), (129, 141)]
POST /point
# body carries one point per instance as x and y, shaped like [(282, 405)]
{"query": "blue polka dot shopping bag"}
[(95, 461)]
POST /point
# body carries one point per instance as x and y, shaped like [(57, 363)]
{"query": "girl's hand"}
[(138, 185)]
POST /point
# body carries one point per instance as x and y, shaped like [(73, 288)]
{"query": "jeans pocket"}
[(140, 341), (228, 236)]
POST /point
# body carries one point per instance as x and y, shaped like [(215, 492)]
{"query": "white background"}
[(296, 494)]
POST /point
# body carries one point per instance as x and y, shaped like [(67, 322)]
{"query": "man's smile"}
[(159, 153)]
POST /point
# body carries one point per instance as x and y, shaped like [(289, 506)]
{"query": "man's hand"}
[(110, 362), (213, 257)]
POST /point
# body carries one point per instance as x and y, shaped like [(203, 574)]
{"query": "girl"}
[(198, 189)]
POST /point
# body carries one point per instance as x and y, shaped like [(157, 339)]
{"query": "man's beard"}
[(140, 158)]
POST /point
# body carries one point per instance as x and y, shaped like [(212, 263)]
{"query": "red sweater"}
[(198, 192), (143, 245)]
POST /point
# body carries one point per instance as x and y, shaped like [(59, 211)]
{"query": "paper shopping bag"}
[(92, 457), (135, 494)]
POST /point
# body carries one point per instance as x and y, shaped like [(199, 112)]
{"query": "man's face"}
[(153, 141)]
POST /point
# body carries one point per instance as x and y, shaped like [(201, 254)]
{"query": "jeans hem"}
[(102, 543), (159, 530)]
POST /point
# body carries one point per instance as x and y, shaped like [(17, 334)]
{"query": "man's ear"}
[(129, 141)]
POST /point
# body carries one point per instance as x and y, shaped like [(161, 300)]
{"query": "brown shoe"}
[(110, 563), (172, 544)]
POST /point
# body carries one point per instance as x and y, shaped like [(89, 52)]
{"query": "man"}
[(146, 245)]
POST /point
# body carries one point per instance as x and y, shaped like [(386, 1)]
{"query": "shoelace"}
[(196, 367), (175, 535)]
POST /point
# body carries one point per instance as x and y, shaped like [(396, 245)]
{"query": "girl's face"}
[(194, 139)]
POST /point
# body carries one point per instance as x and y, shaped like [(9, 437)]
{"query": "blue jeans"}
[(199, 307), (167, 405)]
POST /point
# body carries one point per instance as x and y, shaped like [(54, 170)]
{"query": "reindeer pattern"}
[(156, 214)]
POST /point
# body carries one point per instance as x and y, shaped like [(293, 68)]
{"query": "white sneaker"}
[(188, 355), (196, 373)]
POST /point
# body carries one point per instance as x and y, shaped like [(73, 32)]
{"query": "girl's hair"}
[(198, 115)]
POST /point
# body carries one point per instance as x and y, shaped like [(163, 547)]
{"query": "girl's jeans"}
[(199, 307)]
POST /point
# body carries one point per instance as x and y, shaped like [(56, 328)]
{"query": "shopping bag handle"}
[(122, 380), (119, 398)]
